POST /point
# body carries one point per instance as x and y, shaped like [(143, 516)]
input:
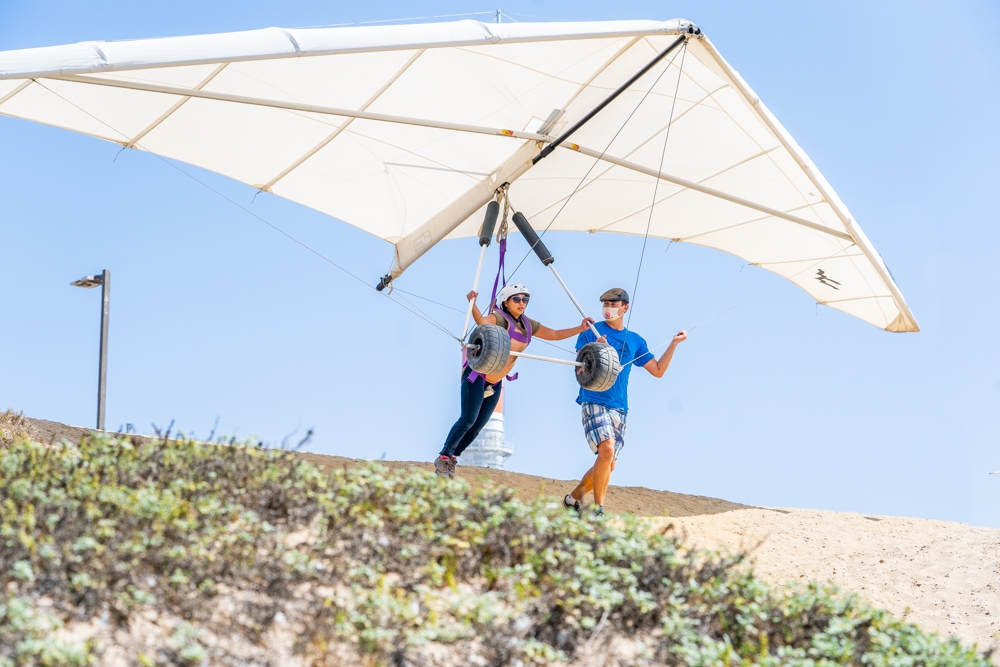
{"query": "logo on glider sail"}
[(826, 280)]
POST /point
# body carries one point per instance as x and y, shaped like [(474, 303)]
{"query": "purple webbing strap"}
[(500, 271), (473, 376)]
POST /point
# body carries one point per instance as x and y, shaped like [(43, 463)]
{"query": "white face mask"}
[(610, 313)]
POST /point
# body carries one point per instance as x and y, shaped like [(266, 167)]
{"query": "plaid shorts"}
[(602, 423)]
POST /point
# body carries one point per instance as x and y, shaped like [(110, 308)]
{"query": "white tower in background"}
[(489, 450)]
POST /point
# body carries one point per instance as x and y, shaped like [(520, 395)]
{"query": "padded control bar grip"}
[(492, 212), (532, 238)]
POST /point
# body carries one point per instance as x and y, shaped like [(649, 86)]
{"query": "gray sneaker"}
[(451, 467), (443, 467)]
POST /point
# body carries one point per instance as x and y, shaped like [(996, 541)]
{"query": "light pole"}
[(104, 280)]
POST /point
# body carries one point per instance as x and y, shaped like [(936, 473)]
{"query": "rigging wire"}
[(427, 318), (598, 160), (417, 312), (424, 298), (779, 282), (656, 186), (788, 279)]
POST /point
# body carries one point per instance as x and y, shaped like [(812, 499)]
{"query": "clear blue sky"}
[(778, 402)]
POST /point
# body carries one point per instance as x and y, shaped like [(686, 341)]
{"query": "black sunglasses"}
[(520, 299)]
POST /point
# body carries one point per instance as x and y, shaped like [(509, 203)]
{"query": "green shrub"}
[(193, 553)]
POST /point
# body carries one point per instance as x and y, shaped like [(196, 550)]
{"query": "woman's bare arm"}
[(545, 333), (477, 315)]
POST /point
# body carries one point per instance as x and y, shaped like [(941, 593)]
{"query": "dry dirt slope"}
[(944, 576), (635, 500)]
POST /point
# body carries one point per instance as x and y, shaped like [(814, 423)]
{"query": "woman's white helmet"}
[(510, 290)]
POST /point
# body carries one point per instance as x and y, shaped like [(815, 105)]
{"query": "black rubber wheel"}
[(600, 366), (491, 349)]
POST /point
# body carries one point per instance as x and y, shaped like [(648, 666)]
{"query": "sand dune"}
[(940, 575)]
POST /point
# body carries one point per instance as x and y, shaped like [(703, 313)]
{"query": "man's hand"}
[(587, 322), (603, 339), (657, 367), (471, 296)]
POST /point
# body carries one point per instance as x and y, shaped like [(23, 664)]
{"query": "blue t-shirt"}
[(629, 346)]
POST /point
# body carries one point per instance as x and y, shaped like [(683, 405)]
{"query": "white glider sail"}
[(406, 132)]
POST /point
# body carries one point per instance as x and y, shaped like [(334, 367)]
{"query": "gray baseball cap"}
[(615, 294)]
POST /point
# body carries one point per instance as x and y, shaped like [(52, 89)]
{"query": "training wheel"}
[(490, 349), (600, 366)]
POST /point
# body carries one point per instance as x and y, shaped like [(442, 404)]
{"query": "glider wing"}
[(406, 131)]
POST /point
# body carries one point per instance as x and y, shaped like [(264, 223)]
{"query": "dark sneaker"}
[(442, 466), (599, 512), (452, 464), (571, 504)]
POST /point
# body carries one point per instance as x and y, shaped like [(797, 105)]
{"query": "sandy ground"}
[(940, 575), (632, 499), (635, 500)]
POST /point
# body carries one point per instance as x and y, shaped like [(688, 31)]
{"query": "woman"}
[(480, 393)]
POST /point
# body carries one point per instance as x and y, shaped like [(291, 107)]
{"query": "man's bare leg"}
[(602, 470), (586, 484)]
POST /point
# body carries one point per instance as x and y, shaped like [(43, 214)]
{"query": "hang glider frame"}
[(538, 141), (537, 146), (296, 106), (548, 140)]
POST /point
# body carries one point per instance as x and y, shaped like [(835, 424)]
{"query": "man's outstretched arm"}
[(657, 367)]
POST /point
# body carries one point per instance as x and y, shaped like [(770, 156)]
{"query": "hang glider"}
[(407, 131)]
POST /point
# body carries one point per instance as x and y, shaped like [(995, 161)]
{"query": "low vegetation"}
[(185, 553)]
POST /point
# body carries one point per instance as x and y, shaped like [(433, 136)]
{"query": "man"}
[(604, 411)]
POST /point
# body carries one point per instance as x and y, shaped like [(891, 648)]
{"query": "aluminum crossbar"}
[(536, 357)]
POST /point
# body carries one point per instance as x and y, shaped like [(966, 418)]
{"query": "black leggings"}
[(476, 411)]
